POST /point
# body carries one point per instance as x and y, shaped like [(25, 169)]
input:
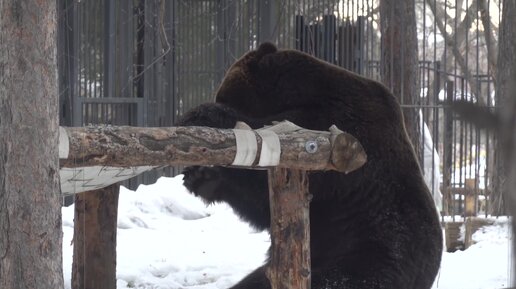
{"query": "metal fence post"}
[(266, 21), (447, 151)]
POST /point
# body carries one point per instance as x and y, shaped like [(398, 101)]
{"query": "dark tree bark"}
[(94, 239), (506, 106), (30, 200), (505, 100), (399, 63)]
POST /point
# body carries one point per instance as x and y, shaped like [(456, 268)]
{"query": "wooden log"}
[(124, 146), (290, 229), (94, 252)]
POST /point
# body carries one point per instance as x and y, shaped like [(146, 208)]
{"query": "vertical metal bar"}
[(317, 40), (463, 136), (219, 63), (147, 59), (140, 59), (359, 59), (197, 50), (241, 27), (299, 27), (89, 44), (77, 112), (160, 51), (131, 38), (448, 151), (125, 50), (67, 61), (62, 60), (98, 78), (329, 38), (171, 64), (436, 117), (188, 53), (352, 36)]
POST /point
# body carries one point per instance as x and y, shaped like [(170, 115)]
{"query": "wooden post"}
[(470, 198), (290, 229), (94, 252)]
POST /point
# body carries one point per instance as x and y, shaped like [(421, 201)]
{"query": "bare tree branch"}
[(491, 43), (455, 40)]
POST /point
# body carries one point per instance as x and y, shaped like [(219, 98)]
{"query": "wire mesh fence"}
[(146, 62)]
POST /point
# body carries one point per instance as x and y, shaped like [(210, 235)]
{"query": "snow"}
[(484, 265), (167, 238)]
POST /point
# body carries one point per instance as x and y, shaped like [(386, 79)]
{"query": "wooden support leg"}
[(94, 252), (290, 229)]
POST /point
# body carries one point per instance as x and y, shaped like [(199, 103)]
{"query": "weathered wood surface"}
[(30, 206), (94, 239), (290, 229), (124, 146), (301, 151)]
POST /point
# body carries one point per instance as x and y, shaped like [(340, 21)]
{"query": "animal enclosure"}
[(144, 63)]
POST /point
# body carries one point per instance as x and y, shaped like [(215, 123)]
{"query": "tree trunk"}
[(30, 200), (290, 229), (506, 107), (94, 239), (504, 104), (399, 63)]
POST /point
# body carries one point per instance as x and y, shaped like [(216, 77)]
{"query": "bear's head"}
[(267, 82)]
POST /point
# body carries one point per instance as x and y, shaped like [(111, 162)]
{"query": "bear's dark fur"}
[(376, 227)]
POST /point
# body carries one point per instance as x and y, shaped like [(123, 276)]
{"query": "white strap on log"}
[(246, 147), (271, 148)]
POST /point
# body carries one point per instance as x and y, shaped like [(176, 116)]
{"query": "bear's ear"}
[(257, 55), (265, 48)]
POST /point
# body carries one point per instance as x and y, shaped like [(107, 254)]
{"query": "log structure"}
[(124, 146), (94, 242), (286, 150)]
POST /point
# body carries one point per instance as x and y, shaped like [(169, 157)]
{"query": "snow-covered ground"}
[(169, 239)]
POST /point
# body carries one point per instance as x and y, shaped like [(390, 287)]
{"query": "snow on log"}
[(283, 145)]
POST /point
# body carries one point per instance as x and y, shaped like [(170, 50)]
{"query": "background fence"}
[(136, 62)]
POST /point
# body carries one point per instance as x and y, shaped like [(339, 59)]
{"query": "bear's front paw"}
[(202, 182)]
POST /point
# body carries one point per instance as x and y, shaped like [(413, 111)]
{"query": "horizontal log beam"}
[(125, 146)]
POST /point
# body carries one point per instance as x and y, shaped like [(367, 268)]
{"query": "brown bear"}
[(376, 227)]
